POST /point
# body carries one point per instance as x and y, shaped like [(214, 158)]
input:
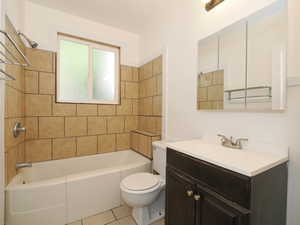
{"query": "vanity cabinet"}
[(200, 193)]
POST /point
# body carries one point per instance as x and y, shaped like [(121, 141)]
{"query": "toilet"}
[(145, 192)]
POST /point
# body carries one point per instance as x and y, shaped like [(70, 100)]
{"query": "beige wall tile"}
[(151, 124), (215, 93), (151, 86), (14, 102), (126, 73), (145, 145), (218, 77), (135, 74), (10, 162), (51, 127), (115, 124), (123, 141), (142, 123), (135, 107), (41, 60), (132, 90), (157, 105), (202, 94), (47, 83), (86, 145), (158, 85), (96, 125), (63, 109), (204, 105), (87, 110), (157, 66), (218, 105), (31, 82), (125, 108), (158, 125), (21, 152), (142, 88), (38, 150), (75, 126), (148, 106), (38, 105), (18, 73), (106, 110), (205, 80), (107, 143), (31, 124), (131, 123), (10, 140), (147, 71), (122, 89), (134, 141), (64, 148)]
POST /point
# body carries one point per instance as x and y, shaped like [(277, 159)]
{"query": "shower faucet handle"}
[(18, 129)]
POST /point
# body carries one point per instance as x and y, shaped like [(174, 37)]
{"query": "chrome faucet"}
[(231, 143), (23, 165)]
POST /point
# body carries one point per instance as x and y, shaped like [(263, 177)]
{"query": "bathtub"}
[(63, 191)]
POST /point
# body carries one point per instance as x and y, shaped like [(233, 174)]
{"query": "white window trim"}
[(91, 45)]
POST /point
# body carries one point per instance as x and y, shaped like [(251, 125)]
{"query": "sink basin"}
[(247, 162)]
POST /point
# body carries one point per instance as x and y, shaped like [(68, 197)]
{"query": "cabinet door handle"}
[(189, 193), (197, 197)]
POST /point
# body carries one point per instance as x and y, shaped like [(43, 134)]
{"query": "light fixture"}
[(210, 4)]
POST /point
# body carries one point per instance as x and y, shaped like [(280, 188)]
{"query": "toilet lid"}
[(140, 181)]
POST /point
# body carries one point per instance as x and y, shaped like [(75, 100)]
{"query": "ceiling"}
[(130, 15)]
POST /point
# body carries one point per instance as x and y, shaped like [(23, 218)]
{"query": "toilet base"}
[(151, 213)]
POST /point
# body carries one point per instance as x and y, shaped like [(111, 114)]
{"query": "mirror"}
[(243, 67)]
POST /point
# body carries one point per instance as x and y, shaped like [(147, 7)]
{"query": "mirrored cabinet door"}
[(232, 60), (243, 67), (208, 50), (267, 32)]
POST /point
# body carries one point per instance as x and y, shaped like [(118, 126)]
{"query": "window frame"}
[(91, 45)]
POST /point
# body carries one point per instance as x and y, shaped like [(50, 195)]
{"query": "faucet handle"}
[(239, 140), (222, 136)]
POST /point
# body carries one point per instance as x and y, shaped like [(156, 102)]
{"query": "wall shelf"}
[(269, 95), (8, 57)]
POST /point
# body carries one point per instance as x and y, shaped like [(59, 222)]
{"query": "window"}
[(88, 71)]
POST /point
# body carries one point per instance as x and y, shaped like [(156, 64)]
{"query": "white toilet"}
[(145, 192)]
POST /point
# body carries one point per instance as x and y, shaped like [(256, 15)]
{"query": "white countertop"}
[(246, 162)]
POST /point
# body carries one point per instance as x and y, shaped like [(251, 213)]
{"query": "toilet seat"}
[(140, 182)]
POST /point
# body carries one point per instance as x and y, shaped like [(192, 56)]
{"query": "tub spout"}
[(23, 165)]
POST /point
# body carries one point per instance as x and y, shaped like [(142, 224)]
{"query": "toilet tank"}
[(159, 157)]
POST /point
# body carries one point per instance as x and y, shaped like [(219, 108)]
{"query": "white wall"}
[(178, 30), (15, 9), (42, 25)]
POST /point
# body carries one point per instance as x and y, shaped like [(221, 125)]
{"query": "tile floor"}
[(117, 216)]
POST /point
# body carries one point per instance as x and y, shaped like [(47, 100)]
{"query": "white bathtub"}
[(63, 191)]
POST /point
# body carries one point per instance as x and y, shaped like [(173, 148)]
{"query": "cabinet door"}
[(267, 35), (180, 203), (214, 210), (233, 61), (208, 51)]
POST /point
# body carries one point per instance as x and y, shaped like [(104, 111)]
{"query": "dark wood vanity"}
[(200, 193)]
